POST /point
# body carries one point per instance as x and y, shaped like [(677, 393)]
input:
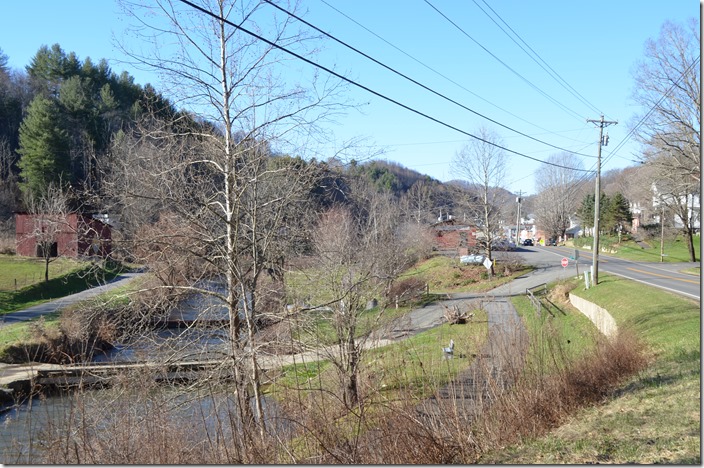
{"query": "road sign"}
[(564, 262)]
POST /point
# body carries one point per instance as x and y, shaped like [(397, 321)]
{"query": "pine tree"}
[(620, 211), (586, 211), (44, 147)]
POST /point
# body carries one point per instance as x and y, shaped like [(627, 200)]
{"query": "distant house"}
[(72, 235), (454, 239)]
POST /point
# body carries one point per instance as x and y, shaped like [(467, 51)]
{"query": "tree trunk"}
[(689, 235), (351, 390), (46, 267)]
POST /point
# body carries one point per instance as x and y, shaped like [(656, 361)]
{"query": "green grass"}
[(27, 271), (76, 277), (655, 416), (675, 249), (21, 332), (417, 365), (565, 333), (447, 275), (319, 329), (414, 365)]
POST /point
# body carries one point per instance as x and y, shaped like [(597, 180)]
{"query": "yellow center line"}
[(663, 276)]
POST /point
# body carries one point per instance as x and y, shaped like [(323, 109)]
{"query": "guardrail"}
[(531, 293)]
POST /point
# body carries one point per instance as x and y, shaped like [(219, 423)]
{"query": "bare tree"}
[(359, 251), (227, 204), (668, 86), (483, 165), (419, 200), (49, 213), (556, 200)]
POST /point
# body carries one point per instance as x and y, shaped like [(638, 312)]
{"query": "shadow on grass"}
[(77, 281)]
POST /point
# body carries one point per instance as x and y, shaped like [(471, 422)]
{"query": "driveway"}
[(37, 311)]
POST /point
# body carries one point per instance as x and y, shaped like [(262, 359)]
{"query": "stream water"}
[(25, 430)]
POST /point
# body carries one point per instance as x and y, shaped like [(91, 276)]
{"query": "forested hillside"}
[(58, 118), (63, 120)]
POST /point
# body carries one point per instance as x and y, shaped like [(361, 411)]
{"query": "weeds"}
[(408, 414)]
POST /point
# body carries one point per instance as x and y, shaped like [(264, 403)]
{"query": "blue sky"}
[(593, 46)]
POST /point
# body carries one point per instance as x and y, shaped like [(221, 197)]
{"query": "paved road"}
[(56, 305), (667, 276)]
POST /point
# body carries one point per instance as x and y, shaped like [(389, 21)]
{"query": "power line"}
[(550, 98), (459, 85), (652, 109), (417, 83), (365, 88), (556, 76), (571, 191)]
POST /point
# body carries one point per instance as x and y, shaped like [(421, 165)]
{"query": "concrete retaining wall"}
[(599, 316)]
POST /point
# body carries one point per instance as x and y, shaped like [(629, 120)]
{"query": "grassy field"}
[(652, 418), (67, 276), (413, 365), (20, 272), (560, 330), (23, 332), (446, 275), (675, 249)]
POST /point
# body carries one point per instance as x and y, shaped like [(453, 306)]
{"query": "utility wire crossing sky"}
[(430, 73)]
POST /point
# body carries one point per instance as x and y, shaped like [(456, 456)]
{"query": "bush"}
[(406, 290)]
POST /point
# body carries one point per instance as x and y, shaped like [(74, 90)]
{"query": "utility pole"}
[(518, 215), (597, 196), (662, 230)]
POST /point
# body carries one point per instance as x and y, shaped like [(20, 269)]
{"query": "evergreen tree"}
[(586, 211), (44, 147), (619, 212), (49, 68)]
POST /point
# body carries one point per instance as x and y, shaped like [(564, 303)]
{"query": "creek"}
[(26, 429)]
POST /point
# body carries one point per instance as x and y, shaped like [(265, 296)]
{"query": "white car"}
[(472, 259), (503, 244)]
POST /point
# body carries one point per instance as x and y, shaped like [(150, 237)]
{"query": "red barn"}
[(71, 235), (453, 239)]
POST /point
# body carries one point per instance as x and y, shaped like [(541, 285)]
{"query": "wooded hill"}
[(60, 117)]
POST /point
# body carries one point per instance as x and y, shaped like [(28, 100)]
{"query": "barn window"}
[(53, 250)]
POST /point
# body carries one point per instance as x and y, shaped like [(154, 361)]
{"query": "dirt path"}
[(494, 369)]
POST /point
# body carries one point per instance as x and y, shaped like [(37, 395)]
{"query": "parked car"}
[(551, 241), (528, 242), (503, 244), (472, 259)]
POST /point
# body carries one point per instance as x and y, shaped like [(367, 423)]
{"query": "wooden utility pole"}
[(518, 215), (597, 196)]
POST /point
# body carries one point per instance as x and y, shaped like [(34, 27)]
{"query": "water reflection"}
[(40, 429), (27, 430)]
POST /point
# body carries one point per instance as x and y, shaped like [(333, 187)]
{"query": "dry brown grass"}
[(540, 403), (144, 424), (408, 433)]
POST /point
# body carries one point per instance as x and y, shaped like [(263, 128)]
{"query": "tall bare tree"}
[(556, 197), (668, 86), (226, 205), (419, 201), (482, 164)]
